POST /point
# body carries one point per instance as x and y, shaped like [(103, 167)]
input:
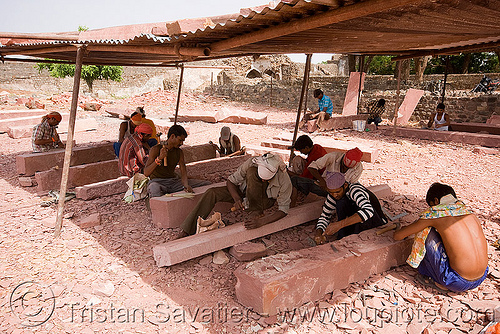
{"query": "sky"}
[(37, 16)]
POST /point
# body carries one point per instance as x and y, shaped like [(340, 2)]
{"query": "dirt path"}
[(105, 279)]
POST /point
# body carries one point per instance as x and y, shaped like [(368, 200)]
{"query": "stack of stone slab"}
[(485, 128)]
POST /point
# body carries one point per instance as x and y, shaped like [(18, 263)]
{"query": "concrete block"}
[(28, 120), (29, 163), (16, 113), (444, 136), (330, 145), (25, 131), (78, 175), (286, 281), (168, 212), (187, 248), (102, 189)]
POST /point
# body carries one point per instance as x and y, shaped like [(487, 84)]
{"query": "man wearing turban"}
[(45, 136), (133, 155)]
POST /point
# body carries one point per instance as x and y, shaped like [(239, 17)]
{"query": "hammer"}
[(395, 226)]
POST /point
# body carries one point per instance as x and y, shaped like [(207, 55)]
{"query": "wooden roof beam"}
[(450, 51), (334, 16), (48, 37), (160, 50)]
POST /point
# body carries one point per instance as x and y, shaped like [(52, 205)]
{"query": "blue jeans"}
[(306, 186), (437, 266)]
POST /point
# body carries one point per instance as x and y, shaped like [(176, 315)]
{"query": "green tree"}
[(382, 65), (90, 73)]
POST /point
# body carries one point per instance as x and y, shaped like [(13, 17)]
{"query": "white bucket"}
[(359, 125)]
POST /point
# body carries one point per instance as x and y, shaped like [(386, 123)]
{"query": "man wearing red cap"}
[(45, 136), (133, 156), (348, 164), (357, 208)]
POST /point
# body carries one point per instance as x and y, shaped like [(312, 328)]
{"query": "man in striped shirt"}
[(357, 208)]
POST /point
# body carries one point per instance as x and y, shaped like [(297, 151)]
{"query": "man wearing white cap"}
[(230, 144), (262, 180), (357, 208)]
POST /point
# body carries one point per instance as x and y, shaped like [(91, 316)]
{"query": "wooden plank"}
[(187, 248)]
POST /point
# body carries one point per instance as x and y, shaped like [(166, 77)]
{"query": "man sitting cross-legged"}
[(262, 180), (358, 209), (161, 164), (449, 246)]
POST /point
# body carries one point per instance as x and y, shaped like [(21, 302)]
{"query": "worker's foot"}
[(181, 234)]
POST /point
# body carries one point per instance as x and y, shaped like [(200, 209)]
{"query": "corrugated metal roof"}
[(398, 27)]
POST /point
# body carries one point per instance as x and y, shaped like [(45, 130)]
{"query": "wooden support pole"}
[(396, 107), (305, 82), (361, 65), (69, 143), (443, 92), (271, 94), (179, 94)]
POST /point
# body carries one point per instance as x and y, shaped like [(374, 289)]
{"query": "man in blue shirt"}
[(325, 109)]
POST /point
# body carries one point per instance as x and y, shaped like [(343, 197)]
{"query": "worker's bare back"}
[(465, 244)]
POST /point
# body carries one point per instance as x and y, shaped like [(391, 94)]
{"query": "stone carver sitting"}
[(133, 155), (161, 164), (449, 245), (440, 119), (229, 143), (357, 208), (45, 136), (262, 180)]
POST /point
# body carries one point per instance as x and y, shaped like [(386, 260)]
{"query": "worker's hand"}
[(255, 221), (322, 183), (319, 238), (163, 152), (55, 138), (238, 205), (188, 189), (332, 228)]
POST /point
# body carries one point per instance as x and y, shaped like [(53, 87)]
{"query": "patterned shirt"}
[(132, 157), (43, 131), (332, 162), (375, 110), (356, 193), (325, 101)]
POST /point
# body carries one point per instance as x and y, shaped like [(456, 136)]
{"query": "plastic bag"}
[(137, 188)]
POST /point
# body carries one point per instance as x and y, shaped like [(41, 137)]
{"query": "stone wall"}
[(463, 106)]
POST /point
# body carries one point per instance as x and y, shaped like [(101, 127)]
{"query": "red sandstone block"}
[(286, 281), (475, 128), (25, 131), (9, 114), (198, 169), (198, 152), (27, 181), (183, 249), (78, 175), (29, 163), (89, 221), (259, 150), (342, 122), (28, 120), (168, 212), (187, 248), (240, 116), (102, 189), (445, 136), (494, 120), (485, 150), (248, 251)]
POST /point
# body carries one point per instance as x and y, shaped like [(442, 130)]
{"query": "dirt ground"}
[(105, 279)]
